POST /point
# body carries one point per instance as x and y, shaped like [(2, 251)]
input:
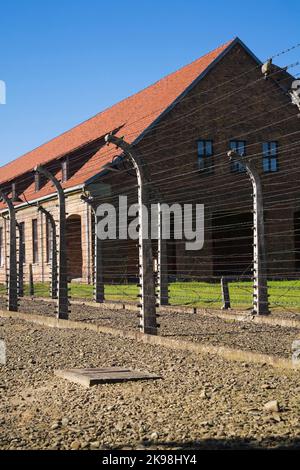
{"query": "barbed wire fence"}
[(238, 269)]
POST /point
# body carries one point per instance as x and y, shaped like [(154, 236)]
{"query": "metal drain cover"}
[(94, 376)]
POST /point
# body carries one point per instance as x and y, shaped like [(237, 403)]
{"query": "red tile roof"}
[(135, 114)]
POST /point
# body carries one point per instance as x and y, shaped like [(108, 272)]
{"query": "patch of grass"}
[(197, 294)]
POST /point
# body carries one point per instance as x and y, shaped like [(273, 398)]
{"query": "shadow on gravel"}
[(270, 443)]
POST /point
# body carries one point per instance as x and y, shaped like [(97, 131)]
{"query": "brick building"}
[(183, 126)]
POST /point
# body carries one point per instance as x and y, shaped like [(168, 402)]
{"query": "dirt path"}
[(206, 329), (201, 401)]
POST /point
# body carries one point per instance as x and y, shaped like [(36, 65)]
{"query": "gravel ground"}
[(268, 339), (201, 401)]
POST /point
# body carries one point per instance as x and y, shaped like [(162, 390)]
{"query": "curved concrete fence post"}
[(20, 261), (31, 280), (12, 300), (260, 283), (148, 322), (62, 285)]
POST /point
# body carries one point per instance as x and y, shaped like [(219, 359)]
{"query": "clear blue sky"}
[(65, 60)]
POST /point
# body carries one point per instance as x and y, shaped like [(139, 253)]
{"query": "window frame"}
[(206, 158), (269, 158)]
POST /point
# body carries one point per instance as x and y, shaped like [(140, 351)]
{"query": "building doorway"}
[(74, 247)]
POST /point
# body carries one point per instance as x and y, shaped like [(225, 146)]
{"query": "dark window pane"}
[(266, 164), (273, 164), (209, 148), (273, 149), (269, 150), (241, 148), (200, 148), (205, 152), (265, 149)]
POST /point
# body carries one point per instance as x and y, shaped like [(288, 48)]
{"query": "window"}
[(64, 169), (270, 151), (22, 236), (49, 240), (239, 146), (205, 153), (35, 245), (1, 247)]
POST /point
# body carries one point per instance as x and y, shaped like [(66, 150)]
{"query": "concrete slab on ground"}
[(95, 376)]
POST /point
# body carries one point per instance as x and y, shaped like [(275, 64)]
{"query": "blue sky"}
[(64, 61)]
